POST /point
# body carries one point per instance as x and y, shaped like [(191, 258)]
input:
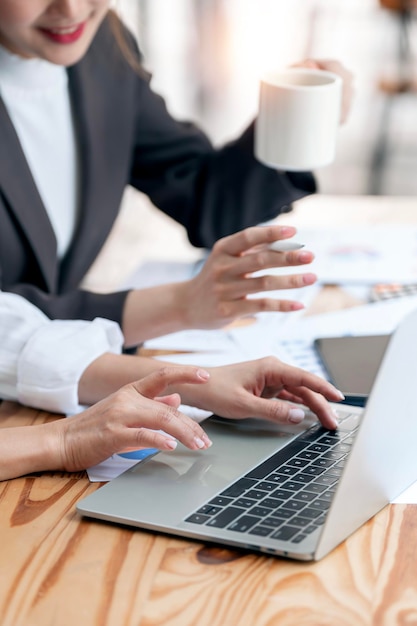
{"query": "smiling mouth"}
[(65, 34)]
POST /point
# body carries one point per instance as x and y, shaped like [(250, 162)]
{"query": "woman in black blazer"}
[(125, 136)]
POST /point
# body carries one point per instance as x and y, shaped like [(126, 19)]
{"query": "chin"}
[(67, 56)]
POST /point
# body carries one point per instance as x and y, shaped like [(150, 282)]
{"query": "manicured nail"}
[(304, 257), (171, 443), (207, 441), (203, 374), (335, 419), (341, 395), (296, 416), (286, 230), (309, 279), (199, 443)]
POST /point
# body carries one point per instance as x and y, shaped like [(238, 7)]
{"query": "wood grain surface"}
[(59, 569)]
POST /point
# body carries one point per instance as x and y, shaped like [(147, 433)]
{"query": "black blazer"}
[(126, 136)]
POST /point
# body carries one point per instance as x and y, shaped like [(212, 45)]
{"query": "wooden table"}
[(57, 569)]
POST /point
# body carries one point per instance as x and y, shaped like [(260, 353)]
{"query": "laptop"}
[(295, 492)]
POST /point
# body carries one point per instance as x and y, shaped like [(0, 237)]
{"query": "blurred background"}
[(206, 59), (207, 56)]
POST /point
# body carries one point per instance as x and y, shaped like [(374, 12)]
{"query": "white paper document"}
[(367, 255)]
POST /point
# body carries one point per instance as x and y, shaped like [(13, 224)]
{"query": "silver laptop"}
[(295, 492)]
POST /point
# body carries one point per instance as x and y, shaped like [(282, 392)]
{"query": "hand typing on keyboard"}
[(266, 388)]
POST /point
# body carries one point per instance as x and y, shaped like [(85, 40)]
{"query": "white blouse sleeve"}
[(42, 360)]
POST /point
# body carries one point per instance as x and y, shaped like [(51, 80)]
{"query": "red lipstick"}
[(66, 35)]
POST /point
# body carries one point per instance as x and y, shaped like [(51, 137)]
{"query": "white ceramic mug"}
[(298, 119)]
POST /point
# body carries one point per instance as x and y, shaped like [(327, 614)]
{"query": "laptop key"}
[(294, 505), (292, 485), (311, 513), (243, 524), (313, 470), (285, 532), (304, 478), (255, 494), (266, 486), (196, 518), (322, 462), (315, 487), (260, 511), (308, 454), (220, 501), (326, 480), (318, 447), (305, 496), (274, 522), (246, 503), (282, 514), (224, 518), (276, 460), (260, 531), (321, 505), (300, 521), (297, 462), (333, 455), (277, 478), (329, 441), (298, 538), (272, 503), (282, 494), (207, 509)]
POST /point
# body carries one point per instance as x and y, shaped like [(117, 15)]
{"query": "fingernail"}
[(203, 374), (171, 443), (304, 257), (199, 443), (286, 230), (341, 395), (296, 416), (207, 441), (309, 279)]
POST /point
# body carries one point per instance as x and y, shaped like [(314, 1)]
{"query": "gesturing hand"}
[(219, 293)]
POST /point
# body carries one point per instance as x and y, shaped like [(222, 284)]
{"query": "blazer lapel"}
[(19, 189), (93, 101)]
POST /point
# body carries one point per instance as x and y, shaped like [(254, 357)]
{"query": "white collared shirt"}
[(36, 96), (42, 360)]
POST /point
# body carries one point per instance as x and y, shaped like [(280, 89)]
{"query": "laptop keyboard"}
[(287, 496)]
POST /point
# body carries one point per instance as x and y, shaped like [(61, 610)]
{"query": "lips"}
[(64, 35)]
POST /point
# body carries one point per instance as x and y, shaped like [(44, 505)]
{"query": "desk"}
[(60, 570)]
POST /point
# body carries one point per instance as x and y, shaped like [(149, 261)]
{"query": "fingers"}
[(240, 242), (265, 258), (258, 284), (284, 412), (173, 399), (174, 427), (318, 405), (297, 379), (156, 383), (161, 413)]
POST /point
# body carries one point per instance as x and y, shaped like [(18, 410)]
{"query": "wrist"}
[(154, 312), (29, 449)]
